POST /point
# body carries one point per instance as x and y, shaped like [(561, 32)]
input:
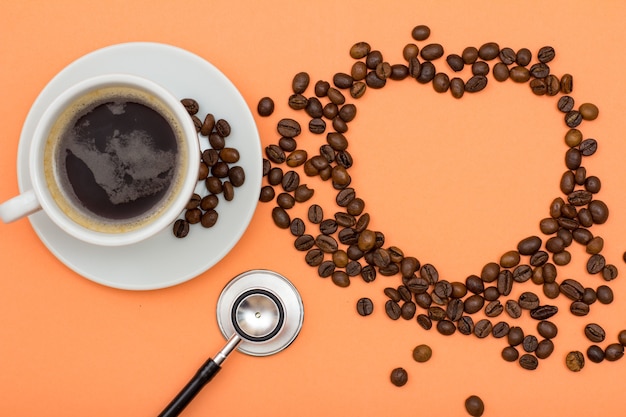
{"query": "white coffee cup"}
[(124, 168)]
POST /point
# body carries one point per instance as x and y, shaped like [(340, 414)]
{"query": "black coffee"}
[(114, 158)]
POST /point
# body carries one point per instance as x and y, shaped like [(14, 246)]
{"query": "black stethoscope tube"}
[(202, 377)]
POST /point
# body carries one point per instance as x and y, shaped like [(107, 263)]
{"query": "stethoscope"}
[(260, 313)]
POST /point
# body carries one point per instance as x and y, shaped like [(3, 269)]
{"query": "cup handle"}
[(20, 206)]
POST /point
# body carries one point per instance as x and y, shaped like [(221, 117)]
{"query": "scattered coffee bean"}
[(575, 361), (474, 406), (364, 306), (422, 353), (399, 377)]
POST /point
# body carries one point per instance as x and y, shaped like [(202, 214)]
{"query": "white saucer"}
[(163, 260)]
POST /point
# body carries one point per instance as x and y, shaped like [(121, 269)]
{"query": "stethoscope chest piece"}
[(263, 308)]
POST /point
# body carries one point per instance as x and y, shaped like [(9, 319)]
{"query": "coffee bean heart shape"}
[(346, 248)]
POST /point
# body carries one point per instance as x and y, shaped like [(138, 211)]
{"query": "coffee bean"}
[(190, 105), (474, 406), (513, 309), (528, 362), (500, 330), (474, 284), (297, 227), (289, 128), (365, 306), (275, 154), (455, 62), (427, 72), (325, 269), (530, 343), (399, 377), (547, 329), (595, 332), (538, 86), (573, 118), (392, 309), (193, 216), (575, 361), (209, 218), (336, 97), (546, 54), (353, 268), (267, 194), (455, 309), (567, 84), (372, 80), (265, 107), (490, 272), (605, 294), (441, 82), (572, 289), (314, 108), (544, 349), (595, 354), (523, 57), (529, 245), (328, 226), (457, 87), (595, 264), (228, 190), (543, 312), (565, 104), (613, 352), (407, 311), (300, 82), (420, 32), (473, 304), (317, 126), (599, 211), (446, 327), (220, 169), (494, 309), (211, 201), (507, 56), (304, 242), (588, 111), (181, 228), (358, 71), (489, 51), (432, 51), (522, 273), (422, 353), (539, 70), (275, 176), (515, 336), (342, 80), (510, 354), (281, 217), (399, 72), (465, 325), (519, 74), (424, 321), (483, 328), (476, 83), (360, 50), (297, 101), (340, 279), (505, 282), (314, 257), (290, 181), (588, 147), (326, 243)]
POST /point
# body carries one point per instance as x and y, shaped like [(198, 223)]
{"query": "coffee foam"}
[(125, 152)]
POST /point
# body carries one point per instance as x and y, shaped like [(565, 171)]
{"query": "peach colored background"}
[(70, 347)]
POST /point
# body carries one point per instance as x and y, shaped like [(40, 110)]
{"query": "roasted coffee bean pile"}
[(341, 245), (218, 170)]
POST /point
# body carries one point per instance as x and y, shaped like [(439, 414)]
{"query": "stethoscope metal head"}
[(264, 309)]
